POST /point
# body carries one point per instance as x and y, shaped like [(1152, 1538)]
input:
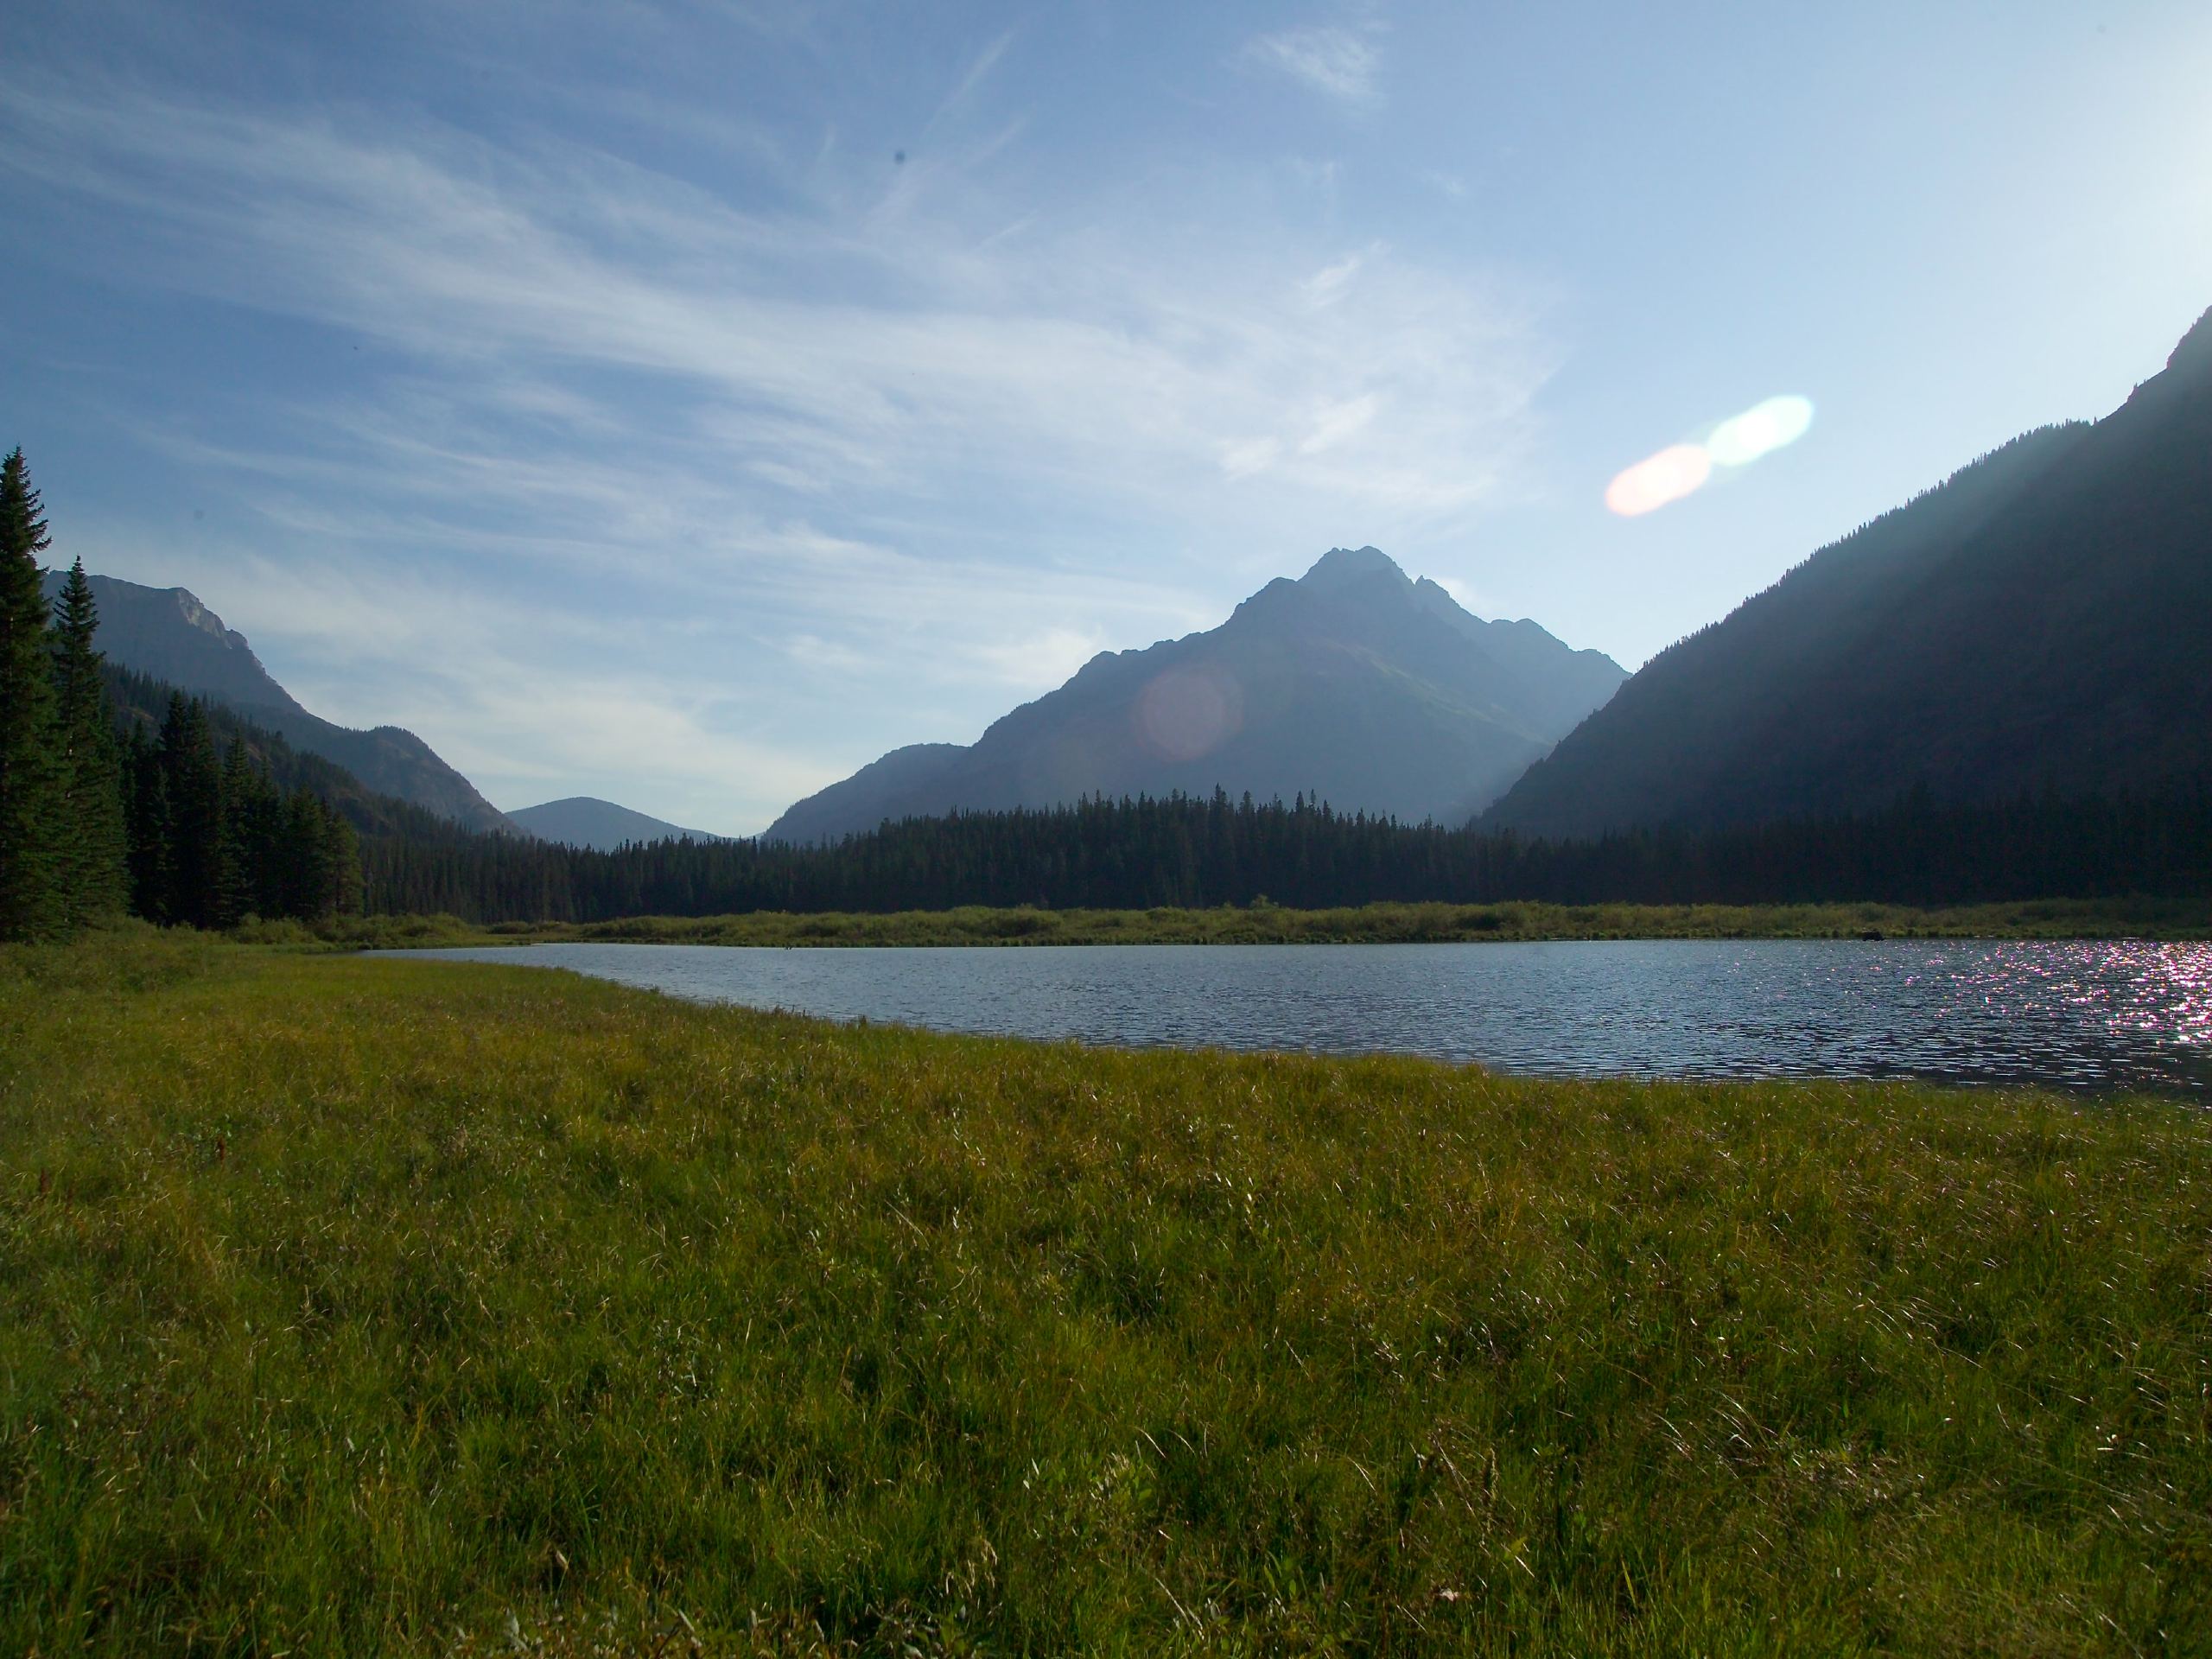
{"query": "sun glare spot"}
[(1684, 468), (1667, 476), (1742, 439), (1187, 713)]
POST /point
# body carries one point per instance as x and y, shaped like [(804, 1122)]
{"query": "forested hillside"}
[(2040, 621), (166, 635), (140, 704), (108, 808), (212, 840)]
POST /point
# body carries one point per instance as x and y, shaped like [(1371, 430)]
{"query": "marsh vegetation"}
[(392, 1306)]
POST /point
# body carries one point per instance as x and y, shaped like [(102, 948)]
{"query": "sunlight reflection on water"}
[(2094, 1016)]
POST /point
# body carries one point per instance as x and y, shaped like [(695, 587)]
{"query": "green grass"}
[(354, 1305), (1386, 924)]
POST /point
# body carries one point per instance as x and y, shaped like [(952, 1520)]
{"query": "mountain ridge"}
[(1353, 681), (169, 634)]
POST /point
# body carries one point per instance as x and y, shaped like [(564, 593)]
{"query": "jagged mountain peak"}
[(171, 634), (1352, 683), (197, 615), (1342, 566)]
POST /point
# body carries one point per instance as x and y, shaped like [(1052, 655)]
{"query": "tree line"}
[(100, 819), (1201, 852)]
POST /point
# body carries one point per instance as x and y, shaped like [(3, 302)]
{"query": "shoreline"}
[(1510, 922)]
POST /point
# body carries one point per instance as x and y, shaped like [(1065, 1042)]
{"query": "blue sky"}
[(594, 389)]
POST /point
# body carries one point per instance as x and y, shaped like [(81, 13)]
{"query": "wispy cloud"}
[(1339, 422), (948, 464), (506, 692), (824, 353), (1337, 62), (1046, 658), (978, 72), (1327, 285)]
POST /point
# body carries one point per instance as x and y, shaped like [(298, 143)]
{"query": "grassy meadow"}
[(354, 1305), (1379, 923)]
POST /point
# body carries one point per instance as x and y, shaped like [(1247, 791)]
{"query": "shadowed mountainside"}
[(166, 635), (139, 702), (2042, 621), (1354, 683)]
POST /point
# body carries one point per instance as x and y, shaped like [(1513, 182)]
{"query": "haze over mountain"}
[(586, 821), (1354, 682), (2042, 621), (168, 633)]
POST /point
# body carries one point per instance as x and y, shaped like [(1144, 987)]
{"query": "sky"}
[(684, 403)]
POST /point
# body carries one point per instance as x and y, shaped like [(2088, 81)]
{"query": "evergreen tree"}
[(147, 812), (252, 830), (341, 857), (308, 873), (30, 889), (90, 837), (192, 779)]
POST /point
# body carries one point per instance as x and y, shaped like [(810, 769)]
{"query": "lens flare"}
[(1684, 468), (1742, 439), (1187, 713), (1667, 476)]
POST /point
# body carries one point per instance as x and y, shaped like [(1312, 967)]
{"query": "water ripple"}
[(2085, 1015)]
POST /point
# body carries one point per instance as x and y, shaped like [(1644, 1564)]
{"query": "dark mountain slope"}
[(140, 701), (1353, 683), (168, 633), (2040, 621), (586, 821)]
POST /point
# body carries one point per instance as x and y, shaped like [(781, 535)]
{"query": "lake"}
[(2079, 1015)]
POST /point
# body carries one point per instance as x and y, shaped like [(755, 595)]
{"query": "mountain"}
[(140, 701), (2040, 621), (167, 634), (583, 820), (1354, 683)]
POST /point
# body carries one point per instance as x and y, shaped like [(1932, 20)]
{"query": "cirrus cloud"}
[(842, 463), (1335, 61)]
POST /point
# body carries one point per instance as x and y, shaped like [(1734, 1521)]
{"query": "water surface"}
[(2099, 1015)]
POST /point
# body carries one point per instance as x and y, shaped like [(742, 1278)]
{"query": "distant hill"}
[(166, 632), (1354, 683), (2043, 620), (584, 821)]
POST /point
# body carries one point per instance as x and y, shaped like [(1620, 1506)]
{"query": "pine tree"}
[(89, 844), (251, 884), (147, 815), (29, 891), (341, 893), (192, 780)]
